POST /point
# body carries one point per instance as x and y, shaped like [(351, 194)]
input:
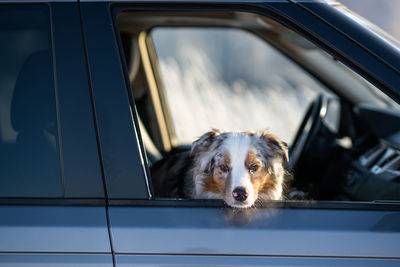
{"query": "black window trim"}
[(52, 201), (79, 153), (186, 203), (117, 138), (142, 150), (204, 203)]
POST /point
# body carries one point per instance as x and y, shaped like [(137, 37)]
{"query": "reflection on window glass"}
[(29, 149), (229, 79)]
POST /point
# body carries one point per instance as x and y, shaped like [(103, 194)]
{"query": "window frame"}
[(300, 21)]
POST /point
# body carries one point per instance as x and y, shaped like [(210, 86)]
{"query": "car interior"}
[(347, 144)]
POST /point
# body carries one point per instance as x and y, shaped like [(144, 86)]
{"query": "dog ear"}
[(276, 145), (202, 144)]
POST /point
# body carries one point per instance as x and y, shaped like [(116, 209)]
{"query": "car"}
[(93, 93)]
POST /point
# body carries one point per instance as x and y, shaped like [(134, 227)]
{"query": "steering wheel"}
[(308, 129)]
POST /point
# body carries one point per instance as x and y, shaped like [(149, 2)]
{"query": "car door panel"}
[(54, 260), (53, 229), (267, 232), (239, 260)]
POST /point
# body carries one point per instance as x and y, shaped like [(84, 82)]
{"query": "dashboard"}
[(357, 160), (375, 174)]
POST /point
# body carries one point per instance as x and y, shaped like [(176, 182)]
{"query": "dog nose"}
[(240, 194)]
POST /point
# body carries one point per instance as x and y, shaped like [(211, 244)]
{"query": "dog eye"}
[(224, 168), (253, 168)]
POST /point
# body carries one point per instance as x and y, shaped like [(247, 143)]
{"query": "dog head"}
[(239, 167)]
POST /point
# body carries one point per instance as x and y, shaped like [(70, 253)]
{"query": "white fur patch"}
[(238, 147)]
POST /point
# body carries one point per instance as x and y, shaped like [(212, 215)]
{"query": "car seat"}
[(35, 163)]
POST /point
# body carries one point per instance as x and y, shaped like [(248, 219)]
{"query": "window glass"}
[(29, 145), (237, 81)]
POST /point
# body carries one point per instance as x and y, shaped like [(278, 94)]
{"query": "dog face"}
[(239, 167)]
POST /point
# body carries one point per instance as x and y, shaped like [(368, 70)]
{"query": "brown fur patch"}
[(218, 180), (260, 179), (251, 160), (262, 183), (267, 186), (214, 185)]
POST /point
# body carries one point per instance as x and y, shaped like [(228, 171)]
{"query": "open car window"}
[(232, 79), (239, 71)]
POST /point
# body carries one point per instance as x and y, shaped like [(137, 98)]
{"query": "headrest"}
[(33, 104)]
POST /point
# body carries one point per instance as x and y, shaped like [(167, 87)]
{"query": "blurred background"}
[(383, 13)]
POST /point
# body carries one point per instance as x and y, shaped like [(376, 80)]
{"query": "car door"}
[(151, 231), (52, 201)]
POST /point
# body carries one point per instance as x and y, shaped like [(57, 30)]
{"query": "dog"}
[(241, 168)]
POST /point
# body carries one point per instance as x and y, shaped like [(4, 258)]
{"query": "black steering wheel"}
[(308, 129)]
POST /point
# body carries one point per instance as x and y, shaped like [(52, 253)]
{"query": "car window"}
[(238, 71), (29, 139)]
